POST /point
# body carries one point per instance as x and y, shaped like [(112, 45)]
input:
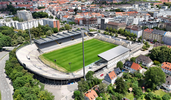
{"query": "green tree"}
[(107, 29), (154, 76), (116, 35), (110, 29), (127, 38), (83, 85), (49, 32), (77, 94), (55, 30), (154, 40), (67, 27), (120, 64), (98, 98), (133, 59), (89, 75), (137, 91), (166, 97), (20, 39), (121, 86), (102, 88), (144, 47)]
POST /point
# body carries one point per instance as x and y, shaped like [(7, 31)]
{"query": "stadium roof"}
[(57, 37), (113, 53)]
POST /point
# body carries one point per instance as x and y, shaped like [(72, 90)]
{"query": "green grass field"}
[(73, 54)]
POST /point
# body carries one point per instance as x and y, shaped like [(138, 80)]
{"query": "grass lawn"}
[(0, 95), (159, 92), (73, 54), (130, 96)]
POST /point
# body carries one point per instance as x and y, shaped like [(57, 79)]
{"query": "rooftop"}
[(136, 66), (57, 37), (91, 95), (113, 53)]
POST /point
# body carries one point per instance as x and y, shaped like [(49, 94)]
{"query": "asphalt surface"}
[(5, 85)]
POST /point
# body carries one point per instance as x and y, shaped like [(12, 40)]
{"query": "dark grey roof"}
[(128, 63), (113, 53), (168, 80), (57, 37), (143, 58), (160, 32), (117, 71)]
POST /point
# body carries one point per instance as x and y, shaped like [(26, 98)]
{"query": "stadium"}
[(58, 58)]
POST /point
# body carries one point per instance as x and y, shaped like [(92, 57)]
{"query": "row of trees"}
[(25, 86), (9, 38), (122, 32), (40, 15), (161, 54)]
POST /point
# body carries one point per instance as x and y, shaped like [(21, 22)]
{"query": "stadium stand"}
[(111, 40), (54, 41)]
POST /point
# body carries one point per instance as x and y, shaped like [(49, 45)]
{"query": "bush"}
[(156, 62), (166, 97), (55, 30), (148, 90), (120, 65), (133, 59)]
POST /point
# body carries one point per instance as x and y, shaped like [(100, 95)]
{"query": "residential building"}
[(134, 29), (90, 95), (30, 24), (132, 67), (168, 26), (150, 34), (52, 23), (158, 35), (144, 60), (3, 4), (167, 84), (147, 34), (166, 67), (25, 15), (167, 38), (111, 77), (115, 25)]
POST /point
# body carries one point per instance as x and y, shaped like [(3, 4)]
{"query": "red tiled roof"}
[(136, 66), (148, 30), (166, 65), (91, 95), (112, 75)]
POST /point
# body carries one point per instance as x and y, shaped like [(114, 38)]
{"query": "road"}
[(5, 84)]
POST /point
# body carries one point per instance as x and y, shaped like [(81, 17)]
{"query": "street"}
[(5, 84)]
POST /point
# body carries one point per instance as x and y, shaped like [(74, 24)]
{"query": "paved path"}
[(5, 84)]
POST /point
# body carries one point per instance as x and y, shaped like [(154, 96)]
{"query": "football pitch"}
[(73, 54)]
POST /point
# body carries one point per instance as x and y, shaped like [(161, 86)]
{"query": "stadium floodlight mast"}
[(82, 34)]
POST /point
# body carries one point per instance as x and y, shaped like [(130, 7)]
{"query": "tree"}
[(98, 31), (116, 35), (77, 94), (98, 98), (102, 88), (20, 39), (110, 29), (161, 54), (154, 40), (120, 64), (67, 27), (83, 85), (144, 47), (121, 86), (107, 29), (166, 97), (49, 32), (55, 30), (127, 38), (133, 59), (137, 91), (89, 75), (154, 76)]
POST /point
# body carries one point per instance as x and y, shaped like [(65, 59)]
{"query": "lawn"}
[(159, 92), (130, 96), (0, 95), (73, 54)]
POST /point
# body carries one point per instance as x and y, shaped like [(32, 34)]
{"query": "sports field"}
[(73, 54)]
